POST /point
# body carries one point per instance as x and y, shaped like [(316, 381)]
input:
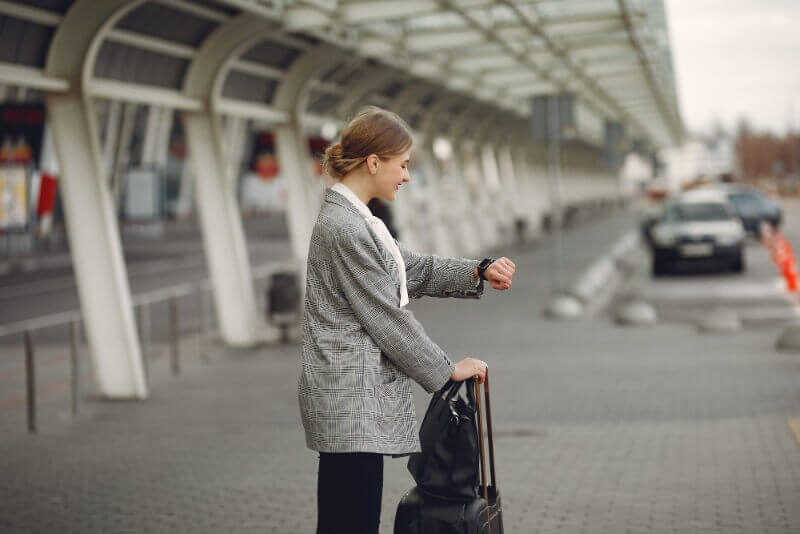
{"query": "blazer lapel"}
[(388, 260)]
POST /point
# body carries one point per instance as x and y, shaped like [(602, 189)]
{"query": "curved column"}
[(463, 164), (443, 185), (495, 208), (100, 273), (218, 209), (511, 191), (469, 149), (293, 152), (532, 201), (418, 209), (355, 92)]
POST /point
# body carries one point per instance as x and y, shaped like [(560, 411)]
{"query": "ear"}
[(372, 163)]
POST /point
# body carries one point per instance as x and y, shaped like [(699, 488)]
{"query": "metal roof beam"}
[(358, 12), (31, 77), (153, 44), (195, 9), (250, 110), (29, 13), (256, 69), (300, 18), (142, 94), (665, 105), (426, 41), (563, 56)]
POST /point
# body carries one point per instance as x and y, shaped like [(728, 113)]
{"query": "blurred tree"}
[(765, 155)]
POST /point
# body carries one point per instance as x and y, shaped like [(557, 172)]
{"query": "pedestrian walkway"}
[(599, 429)]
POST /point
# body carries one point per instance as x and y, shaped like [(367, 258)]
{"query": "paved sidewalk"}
[(598, 430)]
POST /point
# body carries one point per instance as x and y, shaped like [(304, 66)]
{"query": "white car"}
[(697, 226)]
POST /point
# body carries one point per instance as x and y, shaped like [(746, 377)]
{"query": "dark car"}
[(699, 226), (754, 207)]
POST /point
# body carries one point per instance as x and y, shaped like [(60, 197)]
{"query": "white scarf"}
[(382, 232)]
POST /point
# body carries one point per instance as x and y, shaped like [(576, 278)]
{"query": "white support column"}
[(509, 185), (460, 203), (152, 127), (112, 136), (223, 235), (293, 151), (353, 95), (440, 209), (233, 147), (531, 200), (123, 149), (218, 210), (464, 165), (442, 185), (495, 198), (292, 157), (96, 251), (186, 190), (98, 263)]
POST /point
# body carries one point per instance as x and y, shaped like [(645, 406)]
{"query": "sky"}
[(734, 59)]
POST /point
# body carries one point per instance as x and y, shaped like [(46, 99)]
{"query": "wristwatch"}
[(483, 265)]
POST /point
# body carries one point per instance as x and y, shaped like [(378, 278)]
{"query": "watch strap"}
[(482, 266)]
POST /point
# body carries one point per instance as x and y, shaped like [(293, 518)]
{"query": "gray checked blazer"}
[(360, 349)]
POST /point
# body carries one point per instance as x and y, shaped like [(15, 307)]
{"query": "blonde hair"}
[(373, 131)]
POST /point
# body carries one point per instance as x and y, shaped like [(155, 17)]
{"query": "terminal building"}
[(141, 110)]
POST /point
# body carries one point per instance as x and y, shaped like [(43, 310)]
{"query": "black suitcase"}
[(419, 513)]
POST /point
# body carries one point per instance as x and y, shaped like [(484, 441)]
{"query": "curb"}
[(598, 282)]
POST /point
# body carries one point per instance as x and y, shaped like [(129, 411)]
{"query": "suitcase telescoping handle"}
[(489, 433)]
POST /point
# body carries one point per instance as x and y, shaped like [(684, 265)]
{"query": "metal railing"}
[(143, 305)]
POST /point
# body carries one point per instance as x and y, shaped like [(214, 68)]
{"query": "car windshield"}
[(747, 203), (697, 211)]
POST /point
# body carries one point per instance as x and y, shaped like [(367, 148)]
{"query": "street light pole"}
[(554, 188)]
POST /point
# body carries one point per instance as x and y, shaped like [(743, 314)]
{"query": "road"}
[(599, 428)]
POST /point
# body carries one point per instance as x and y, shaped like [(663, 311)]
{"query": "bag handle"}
[(491, 443), (449, 390)]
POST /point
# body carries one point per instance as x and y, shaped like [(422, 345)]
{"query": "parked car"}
[(697, 226), (754, 207)]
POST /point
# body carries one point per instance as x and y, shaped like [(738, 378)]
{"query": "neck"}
[(360, 185)]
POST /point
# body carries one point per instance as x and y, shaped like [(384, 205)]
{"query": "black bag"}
[(421, 513), (447, 467)]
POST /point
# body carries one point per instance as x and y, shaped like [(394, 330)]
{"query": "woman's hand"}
[(469, 367), (500, 273)]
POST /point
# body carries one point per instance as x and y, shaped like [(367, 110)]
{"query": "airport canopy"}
[(613, 55)]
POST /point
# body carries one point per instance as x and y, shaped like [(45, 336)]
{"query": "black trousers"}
[(349, 491)]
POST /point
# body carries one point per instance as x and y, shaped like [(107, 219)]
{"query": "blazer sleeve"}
[(372, 294), (433, 276)]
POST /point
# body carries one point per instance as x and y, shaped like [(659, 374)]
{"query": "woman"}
[(361, 346)]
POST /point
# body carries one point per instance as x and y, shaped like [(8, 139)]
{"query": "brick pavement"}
[(599, 430)]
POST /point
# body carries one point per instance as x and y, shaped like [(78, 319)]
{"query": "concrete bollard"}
[(635, 312), (720, 321), (563, 306), (789, 340)]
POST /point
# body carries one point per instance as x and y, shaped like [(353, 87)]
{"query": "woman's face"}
[(392, 173)]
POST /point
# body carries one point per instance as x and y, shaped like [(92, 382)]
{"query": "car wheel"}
[(738, 264), (660, 268)]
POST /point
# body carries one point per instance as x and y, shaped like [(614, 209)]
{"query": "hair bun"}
[(332, 163)]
